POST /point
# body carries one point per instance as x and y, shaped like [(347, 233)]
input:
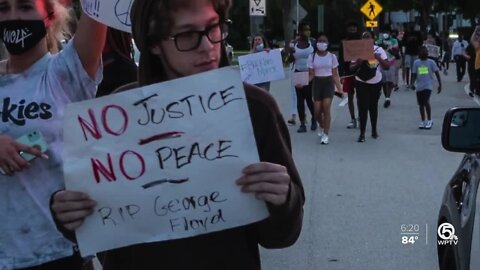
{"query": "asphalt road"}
[(358, 195)]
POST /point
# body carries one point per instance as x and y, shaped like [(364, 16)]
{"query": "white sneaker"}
[(429, 124), (324, 139), (422, 125), (320, 134)]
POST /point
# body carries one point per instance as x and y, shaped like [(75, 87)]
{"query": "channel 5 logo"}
[(446, 234)]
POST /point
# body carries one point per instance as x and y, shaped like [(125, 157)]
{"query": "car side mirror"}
[(461, 130)]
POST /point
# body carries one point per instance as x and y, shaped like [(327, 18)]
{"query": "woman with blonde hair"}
[(35, 88)]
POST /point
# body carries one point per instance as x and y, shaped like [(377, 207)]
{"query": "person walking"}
[(412, 42), (458, 52), (260, 44), (390, 46), (475, 40), (178, 39), (36, 86), (470, 57), (347, 75), (422, 76), (446, 47), (369, 84), (323, 71), (303, 48)]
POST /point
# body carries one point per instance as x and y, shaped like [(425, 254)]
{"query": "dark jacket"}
[(235, 248)]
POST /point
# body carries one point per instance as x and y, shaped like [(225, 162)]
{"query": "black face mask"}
[(20, 36)]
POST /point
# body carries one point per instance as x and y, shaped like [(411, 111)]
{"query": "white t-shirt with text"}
[(36, 100)]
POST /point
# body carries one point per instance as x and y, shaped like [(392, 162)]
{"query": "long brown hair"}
[(151, 22)]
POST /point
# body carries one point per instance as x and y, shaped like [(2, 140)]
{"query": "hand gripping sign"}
[(114, 13), (161, 161)]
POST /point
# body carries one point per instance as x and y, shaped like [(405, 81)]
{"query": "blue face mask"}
[(259, 47)]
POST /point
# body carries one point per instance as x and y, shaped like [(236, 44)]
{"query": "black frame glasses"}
[(190, 40)]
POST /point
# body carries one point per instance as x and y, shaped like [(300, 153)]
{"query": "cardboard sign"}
[(358, 49), (300, 78), (161, 161), (261, 67), (114, 13)]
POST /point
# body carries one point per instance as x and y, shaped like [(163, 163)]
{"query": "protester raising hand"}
[(36, 86)]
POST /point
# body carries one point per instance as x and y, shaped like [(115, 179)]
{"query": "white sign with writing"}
[(258, 7), (300, 78), (114, 13), (162, 160), (261, 67)]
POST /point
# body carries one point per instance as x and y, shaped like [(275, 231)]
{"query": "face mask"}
[(259, 47), (307, 33), (322, 46), (20, 36)]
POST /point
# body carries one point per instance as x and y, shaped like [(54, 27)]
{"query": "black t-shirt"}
[(412, 43)]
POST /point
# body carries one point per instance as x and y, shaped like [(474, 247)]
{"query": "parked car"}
[(458, 231)]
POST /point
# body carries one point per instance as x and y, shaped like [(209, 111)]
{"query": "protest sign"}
[(114, 13), (261, 67), (300, 78), (358, 49), (433, 50), (161, 161)]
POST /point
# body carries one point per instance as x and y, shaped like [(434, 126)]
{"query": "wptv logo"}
[(446, 235)]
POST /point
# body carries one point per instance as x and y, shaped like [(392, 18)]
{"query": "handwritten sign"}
[(162, 160), (433, 50), (261, 67), (300, 78), (358, 49), (114, 13)]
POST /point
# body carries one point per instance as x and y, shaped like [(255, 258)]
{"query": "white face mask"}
[(322, 46)]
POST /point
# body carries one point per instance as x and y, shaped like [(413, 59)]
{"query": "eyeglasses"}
[(190, 40)]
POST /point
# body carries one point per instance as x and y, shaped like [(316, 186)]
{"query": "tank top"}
[(301, 56)]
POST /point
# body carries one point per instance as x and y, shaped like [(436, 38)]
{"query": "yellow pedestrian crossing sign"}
[(371, 9), (371, 23)]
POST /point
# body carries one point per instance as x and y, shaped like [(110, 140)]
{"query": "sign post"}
[(371, 9), (258, 8)]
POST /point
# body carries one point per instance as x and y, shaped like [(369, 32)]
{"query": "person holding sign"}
[(323, 71), (35, 88), (369, 83), (422, 74), (177, 39), (259, 44)]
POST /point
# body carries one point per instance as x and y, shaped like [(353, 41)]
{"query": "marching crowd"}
[(417, 59)]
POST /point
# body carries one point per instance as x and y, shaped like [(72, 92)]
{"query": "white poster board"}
[(114, 13), (300, 78), (261, 67), (162, 160)]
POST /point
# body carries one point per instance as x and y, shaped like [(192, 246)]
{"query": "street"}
[(358, 195)]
